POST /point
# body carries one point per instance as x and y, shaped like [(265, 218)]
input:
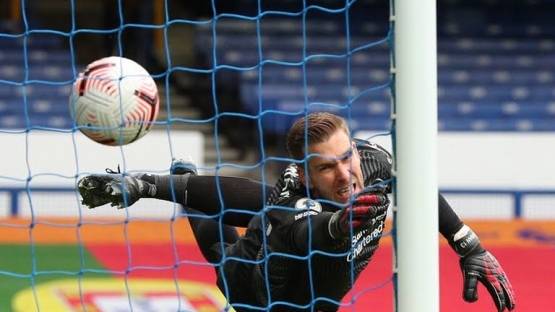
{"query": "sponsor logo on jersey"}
[(365, 237), (308, 204)]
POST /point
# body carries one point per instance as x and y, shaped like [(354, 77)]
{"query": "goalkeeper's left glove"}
[(478, 265)]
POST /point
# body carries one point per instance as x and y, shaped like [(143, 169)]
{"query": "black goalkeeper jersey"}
[(293, 264)]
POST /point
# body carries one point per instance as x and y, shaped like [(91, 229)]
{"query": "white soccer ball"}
[(114, 101)]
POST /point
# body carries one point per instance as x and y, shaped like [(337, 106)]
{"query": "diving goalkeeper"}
[(335, 204)]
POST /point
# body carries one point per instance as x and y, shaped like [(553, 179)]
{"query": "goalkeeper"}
[(335, 204)]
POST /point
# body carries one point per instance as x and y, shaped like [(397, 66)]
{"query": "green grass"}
[(22, 266)]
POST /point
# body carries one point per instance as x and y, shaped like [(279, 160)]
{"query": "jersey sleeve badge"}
[(307, 207)]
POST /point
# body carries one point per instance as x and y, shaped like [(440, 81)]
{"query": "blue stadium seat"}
[(272, 73), (30, 40), (49, 107), (280, 103), (495, 110), (502, 45), (251, 92), (35, 57), (249, 60), (374, 109), (495, 70), (496, 93), (491, 124), (266, 25), (494, 60), (280, 122), (35, 78), (493, 77), (42, 72), (34, 91), (42, 121), (243, 51), (37, 106)]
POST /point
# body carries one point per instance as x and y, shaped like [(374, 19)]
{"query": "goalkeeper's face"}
[(335, 173)]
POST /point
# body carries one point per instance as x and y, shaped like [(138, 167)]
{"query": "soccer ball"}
[(114, 101)]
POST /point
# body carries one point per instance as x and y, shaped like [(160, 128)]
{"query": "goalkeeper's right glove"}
[(116, 190), (367, 205)]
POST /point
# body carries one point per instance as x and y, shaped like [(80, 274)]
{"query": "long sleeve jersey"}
[(305, 268), (290, 262)]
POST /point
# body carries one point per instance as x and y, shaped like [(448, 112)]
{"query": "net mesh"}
[(260, 66)]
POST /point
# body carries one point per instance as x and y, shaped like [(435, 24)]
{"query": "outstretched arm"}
[(477, 264), (245, 195), (211, 195)]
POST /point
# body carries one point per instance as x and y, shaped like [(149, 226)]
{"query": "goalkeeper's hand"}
[(367, 205), (116, 190), (478, 265)]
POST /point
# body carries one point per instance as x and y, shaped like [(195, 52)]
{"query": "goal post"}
[(414, 64)]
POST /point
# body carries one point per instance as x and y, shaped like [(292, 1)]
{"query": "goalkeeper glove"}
[(478, 265), (367, 205), (119, 191)]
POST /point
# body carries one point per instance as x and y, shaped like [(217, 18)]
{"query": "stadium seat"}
[(35, 79), (500, 124), (37, 72), (496, 77), (275, 73), (496, 93), (494, 110), (503, 45), (20, 91), (35, 57), (18, 122)]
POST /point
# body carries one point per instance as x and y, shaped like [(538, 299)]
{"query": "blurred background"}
[(495, 64), (239, 73)]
